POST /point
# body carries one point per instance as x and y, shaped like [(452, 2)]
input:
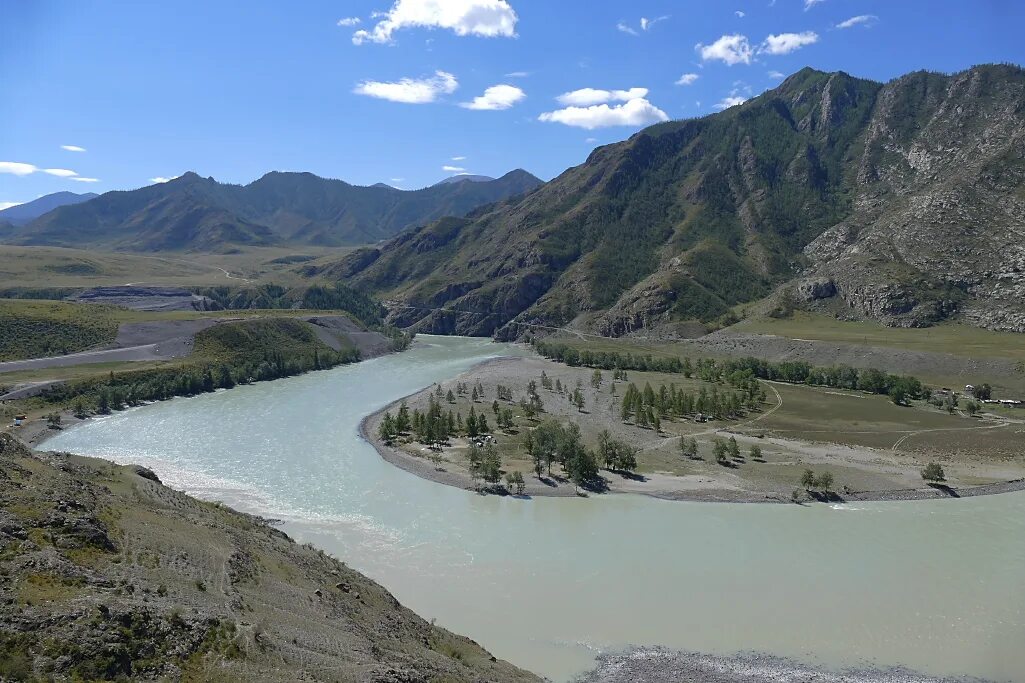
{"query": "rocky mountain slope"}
[(105, 574), (901, 202), (194, 213)]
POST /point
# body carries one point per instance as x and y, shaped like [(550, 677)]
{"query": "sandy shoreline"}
[(460, 479)]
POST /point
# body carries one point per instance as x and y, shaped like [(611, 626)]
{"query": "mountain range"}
[(195, 213), (20, 214), (902, 202)]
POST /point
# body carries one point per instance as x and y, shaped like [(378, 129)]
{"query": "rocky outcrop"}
[(813, 289)]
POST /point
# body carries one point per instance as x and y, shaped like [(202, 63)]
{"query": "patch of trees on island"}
[(436, 426), (647, 407), (900, 388)]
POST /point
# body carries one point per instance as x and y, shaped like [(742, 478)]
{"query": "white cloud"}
[(397, 180), (730, 101), (80, 179), (163, 179), (453, 169), (637, 112), (865, 20), (72, 148), (349, 21), (777, 75), (808, 4), (410, 90), (495, 98), (738, 95), (731, 49), (646, 23), (17, 168), (591, 140), (21, 169), (7, 205), (687, 79), (517, 74), (486, 18), (588, 96), (785, 43), (458, 158), (740, 14), (622, 26)]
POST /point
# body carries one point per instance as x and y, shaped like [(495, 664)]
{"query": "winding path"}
[(907, 436)]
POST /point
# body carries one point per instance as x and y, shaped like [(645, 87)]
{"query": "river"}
[(937, 586)]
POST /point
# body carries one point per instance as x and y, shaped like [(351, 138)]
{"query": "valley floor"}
[(874, 449)]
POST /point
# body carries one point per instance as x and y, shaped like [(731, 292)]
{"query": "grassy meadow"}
[(58, 267)]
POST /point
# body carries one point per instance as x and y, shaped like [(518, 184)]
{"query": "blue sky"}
[(404, 92)]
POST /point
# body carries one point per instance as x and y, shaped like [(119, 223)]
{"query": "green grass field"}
[(30, 328), (959, 340)]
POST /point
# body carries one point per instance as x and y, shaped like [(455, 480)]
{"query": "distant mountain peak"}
[(21, 214), (465, 178), (515, 175)]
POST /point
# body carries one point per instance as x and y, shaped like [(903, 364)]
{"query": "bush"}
[(933, 472)]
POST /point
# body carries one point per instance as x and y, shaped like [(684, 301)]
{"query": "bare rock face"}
[(938, 227), (813, 289)]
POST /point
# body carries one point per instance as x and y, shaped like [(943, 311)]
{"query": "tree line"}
[(120, 390), (900, 388)]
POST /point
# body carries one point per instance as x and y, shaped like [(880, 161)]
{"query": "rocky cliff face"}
[(902, 202), (938, 226), (105, 574)]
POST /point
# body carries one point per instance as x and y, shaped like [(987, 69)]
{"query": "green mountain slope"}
[(688, 218), (197, 213)]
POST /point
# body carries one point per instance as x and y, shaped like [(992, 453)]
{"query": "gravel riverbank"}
[(659, 665)]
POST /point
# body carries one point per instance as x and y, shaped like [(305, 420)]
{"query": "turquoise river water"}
[(547, 583)]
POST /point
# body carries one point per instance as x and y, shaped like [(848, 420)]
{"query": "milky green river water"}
[(937, 586)]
